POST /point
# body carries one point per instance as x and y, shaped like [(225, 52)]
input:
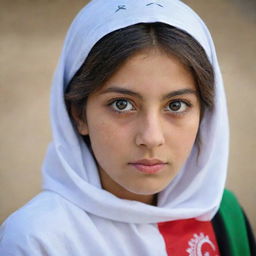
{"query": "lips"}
[(149, 166)]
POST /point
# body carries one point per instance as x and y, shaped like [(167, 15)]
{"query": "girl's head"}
[(138, 99)]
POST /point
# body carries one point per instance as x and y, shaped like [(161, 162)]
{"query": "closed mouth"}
[(149, 166)]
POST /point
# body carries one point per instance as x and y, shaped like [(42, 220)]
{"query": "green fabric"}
[(234, 222)]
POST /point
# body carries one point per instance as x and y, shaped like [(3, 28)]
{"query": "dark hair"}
[(114, 49)]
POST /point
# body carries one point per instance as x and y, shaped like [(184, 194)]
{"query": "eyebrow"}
[(137, 95), (180, 92)]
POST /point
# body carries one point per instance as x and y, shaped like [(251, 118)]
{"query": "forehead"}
[(152, 71)]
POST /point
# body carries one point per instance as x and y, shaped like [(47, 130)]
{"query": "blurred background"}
[(32, 33)]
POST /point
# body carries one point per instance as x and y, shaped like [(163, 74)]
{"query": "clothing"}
[(223, 239), (52, 225), (74, 215)]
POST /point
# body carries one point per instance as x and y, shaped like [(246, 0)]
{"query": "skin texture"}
[(137, 115)]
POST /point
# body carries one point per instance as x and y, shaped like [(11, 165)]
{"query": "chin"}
[(146, 191), (151, 186)]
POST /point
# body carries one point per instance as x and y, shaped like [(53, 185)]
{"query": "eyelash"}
[(110, 104), (182, 101)]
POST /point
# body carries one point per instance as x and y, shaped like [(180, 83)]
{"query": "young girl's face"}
[(142, 124)]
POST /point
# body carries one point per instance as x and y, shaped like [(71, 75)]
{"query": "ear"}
[(81, 125)]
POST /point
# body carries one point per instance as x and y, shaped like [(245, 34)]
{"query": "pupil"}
[(175, 106), (121, 104)]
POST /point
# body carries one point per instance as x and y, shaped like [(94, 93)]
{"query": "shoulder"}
[(232, 227), (33, 226), (37, 213)]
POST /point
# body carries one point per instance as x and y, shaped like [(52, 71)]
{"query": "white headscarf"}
[(69, 168)]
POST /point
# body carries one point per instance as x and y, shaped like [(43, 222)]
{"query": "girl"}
[(140, 142)]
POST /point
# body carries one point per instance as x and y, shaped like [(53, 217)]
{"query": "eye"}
[(122, 105), (177, 106)]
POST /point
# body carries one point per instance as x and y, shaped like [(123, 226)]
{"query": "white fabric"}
[(75, 216)]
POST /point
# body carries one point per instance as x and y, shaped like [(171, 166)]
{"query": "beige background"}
[(32, 33)]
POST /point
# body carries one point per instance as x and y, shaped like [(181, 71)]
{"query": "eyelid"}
[(184, 101), (113, 100)]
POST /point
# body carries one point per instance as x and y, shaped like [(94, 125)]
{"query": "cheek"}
[(184, 138), (106, 140), (100, 133)]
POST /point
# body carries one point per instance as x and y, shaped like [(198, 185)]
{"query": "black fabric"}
[(222, 237), (251, 238)]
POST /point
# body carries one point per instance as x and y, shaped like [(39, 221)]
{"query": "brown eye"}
[(177, 106), (122, 105)]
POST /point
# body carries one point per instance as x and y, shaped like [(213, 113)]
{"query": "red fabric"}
[(189, 238)]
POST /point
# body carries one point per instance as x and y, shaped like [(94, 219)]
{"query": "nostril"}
[(149, 140)]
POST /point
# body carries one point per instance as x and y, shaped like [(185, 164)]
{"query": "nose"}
[(150, 132)]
